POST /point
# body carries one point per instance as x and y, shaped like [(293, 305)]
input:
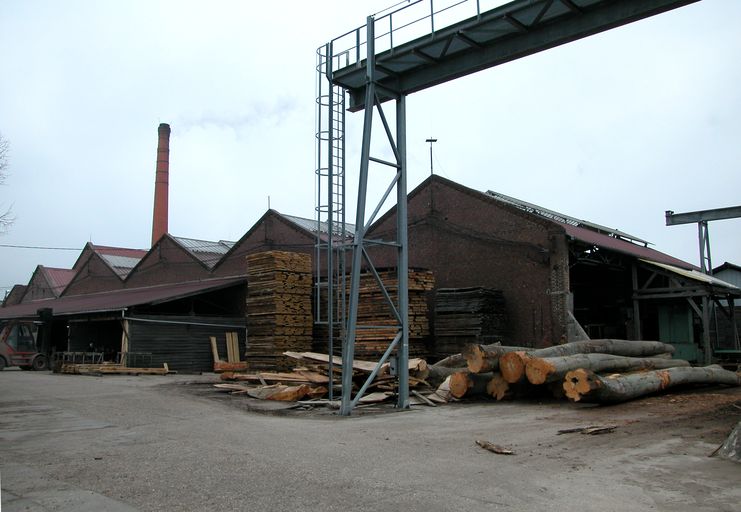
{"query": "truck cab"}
[(18, 346)]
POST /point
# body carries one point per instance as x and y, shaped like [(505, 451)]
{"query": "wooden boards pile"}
[(468, 315), (582, 371), (376, 325), (279, 287), (373, 312), (111, 369), (233, 361), (309, 378)]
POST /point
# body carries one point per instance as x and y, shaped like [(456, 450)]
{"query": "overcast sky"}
[(615, 128)]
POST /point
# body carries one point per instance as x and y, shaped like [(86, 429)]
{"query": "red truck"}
[(18, 346)]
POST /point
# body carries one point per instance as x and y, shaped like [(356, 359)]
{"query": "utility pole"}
[(431, 140)]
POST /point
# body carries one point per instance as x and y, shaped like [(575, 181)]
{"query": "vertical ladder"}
[(330, 287)]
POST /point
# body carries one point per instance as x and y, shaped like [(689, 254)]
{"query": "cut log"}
[(483, 359), (437, 374), (459, 360), (498, 387), (587, 386), (512, 365), (465, 383), (280, 392), (540, 370)]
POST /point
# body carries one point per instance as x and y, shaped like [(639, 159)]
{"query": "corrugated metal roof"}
[(623, 246), (311, 225), (119, 251), (562, 218), (117, 300), (696, 276), (122, 265), (207, 252), (58, 278)]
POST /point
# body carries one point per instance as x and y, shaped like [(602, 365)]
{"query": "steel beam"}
[(525, 40), (673, 219)]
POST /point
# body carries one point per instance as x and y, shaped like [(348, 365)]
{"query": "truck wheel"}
[(2, 363), (40, 363)]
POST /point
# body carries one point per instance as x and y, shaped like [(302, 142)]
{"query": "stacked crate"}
[(279, 287)]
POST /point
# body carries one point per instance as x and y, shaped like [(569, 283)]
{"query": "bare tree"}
[(6, 217)]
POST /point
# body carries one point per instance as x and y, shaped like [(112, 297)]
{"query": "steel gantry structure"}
[(409, 47)]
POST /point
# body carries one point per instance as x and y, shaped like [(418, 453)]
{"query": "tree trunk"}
[(587, 386), (540, 370), (464, 383), (437, 374), (483, 359), (512, 365), (459, 360), (498, 387)]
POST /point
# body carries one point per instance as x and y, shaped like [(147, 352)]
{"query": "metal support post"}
[(348, 349), (706, 330), (403, 253)]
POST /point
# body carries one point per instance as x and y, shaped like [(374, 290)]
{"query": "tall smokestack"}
[(161, 183)]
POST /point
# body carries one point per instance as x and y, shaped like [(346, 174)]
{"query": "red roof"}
[(117, 300), (622, 246), (58, 278), (119, 251)]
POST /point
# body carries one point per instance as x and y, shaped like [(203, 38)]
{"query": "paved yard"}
[(116, 443)]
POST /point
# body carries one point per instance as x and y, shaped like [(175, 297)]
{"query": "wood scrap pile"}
[(468, 315), (279, 287), (582, 371), (309, 379)]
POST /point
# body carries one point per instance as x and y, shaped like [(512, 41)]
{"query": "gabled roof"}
[(58, 278), (15, 295), (120, 259), (726, 266), (311, 225), (207, 252), (117, 300)]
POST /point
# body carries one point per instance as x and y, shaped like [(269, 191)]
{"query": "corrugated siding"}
[(184, 346)]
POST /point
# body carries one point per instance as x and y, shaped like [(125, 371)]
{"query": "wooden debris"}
[(731, 448), (494, 448), (112, 369), (590, 430)]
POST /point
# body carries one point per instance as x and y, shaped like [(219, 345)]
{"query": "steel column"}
[(403, 252)]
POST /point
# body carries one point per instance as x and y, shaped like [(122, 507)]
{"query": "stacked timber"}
[(468, 315), (279, 286), (376, 325), (582, 371)]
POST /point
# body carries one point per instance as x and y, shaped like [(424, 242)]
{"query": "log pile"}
[(279, 287), (574, 370), (467, 315)]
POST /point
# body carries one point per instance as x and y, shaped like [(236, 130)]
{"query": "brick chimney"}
[(161, 183)]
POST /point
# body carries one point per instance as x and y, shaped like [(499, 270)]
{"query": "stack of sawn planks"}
[(601, 371), (376, 326), (309, 379), (468, 315), (279, 287)]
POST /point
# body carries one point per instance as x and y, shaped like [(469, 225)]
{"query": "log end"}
[(538, 369), (578, 383), (475, 358), (498, 387), (459, 384), (512, 366)]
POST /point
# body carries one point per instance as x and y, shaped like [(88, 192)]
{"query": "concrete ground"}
[(119, 443)]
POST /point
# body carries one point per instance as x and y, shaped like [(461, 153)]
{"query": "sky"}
[(616, 128)]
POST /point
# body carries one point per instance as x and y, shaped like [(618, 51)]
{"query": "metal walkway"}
[(449, 49)]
